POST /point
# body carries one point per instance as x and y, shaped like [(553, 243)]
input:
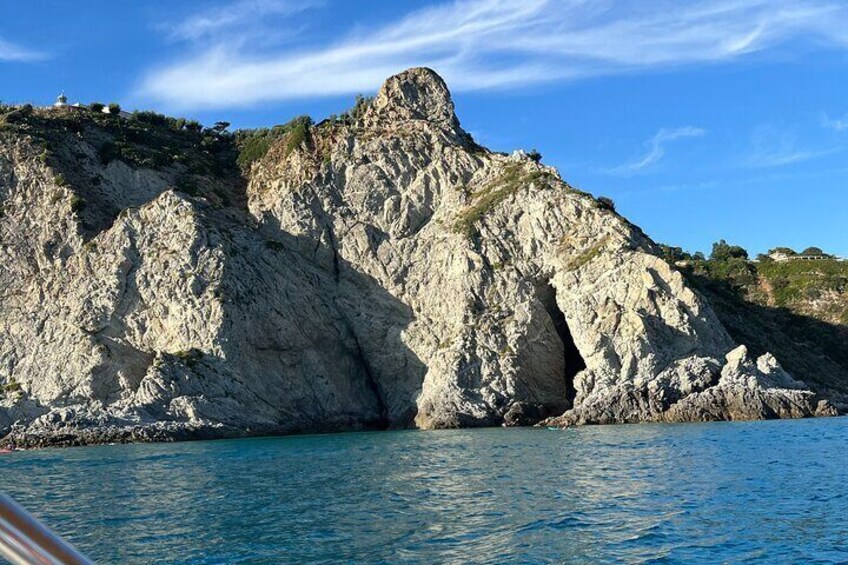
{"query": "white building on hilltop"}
[(61, 103)]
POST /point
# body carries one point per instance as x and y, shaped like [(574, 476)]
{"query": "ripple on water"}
[(733, 492)]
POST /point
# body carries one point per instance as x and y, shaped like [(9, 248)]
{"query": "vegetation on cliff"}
[(253, 144), (144, 139), (797, 309)]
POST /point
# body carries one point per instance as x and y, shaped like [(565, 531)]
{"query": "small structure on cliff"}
[(61, 104), (783, 257), (61, 101)]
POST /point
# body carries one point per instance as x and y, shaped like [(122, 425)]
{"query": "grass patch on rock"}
[(588, 255), (489, 197)]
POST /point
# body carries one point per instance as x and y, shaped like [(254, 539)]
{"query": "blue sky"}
[(702, 119)]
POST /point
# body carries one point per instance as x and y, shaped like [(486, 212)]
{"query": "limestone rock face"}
[(522, 293), (417, 94), (750, 389), (386, 272), (179, 320)]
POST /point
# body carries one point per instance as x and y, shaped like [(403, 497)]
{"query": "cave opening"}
[(574, 362)]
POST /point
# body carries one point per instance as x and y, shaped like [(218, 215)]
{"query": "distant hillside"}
[(796, 308)]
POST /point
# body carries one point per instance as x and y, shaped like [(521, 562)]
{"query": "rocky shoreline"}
[(76, 435), (747, 390)]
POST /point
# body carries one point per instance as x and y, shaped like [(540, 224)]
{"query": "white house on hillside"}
[(782, 257)]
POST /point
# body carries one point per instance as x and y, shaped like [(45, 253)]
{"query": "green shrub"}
[(814, 252), (542, 176), (796, 280), (77, 204), (296, 137), (606, 203), (723, 251), (672, 255), (783, 250), (114, 108), (360, 106), (56, 196), (149, 117), (253, 145), (96, 107), (19, 114), (12, 385)]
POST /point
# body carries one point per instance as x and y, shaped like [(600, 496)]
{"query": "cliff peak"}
[(415, 94)]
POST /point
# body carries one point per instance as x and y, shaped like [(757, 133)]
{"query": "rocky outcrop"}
[(179, 320), (387, 271), (750, 389)]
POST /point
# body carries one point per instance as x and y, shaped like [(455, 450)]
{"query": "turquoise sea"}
[(757, 492)]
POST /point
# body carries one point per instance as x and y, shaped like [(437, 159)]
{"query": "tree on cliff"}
[(814, 252), (783, 251), (723, 251)]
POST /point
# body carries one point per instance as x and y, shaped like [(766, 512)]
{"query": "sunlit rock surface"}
[(385, 272)]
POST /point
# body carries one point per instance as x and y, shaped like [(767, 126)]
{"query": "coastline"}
[(162, 432)]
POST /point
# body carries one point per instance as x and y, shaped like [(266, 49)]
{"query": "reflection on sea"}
[(763, 491)]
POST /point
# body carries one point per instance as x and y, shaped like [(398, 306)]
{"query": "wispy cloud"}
[(243, 16), (771, 146), (483, 44), (11, 52), (656, 149), (671, 188), (838, 124), (781, 158)]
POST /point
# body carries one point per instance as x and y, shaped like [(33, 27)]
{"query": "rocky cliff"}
[(798, 309), (378, 271)]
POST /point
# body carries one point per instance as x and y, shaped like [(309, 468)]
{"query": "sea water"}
[(770, 492)]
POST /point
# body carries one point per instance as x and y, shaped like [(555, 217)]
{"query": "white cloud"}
[(213, 22), (483, 44), (656, 149), (771, 146), (781, 158), (11, 52), (838, 124)]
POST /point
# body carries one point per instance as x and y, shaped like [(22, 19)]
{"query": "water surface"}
[(771, 492)]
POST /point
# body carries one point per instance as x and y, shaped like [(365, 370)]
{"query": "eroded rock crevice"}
[(574, 362)]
